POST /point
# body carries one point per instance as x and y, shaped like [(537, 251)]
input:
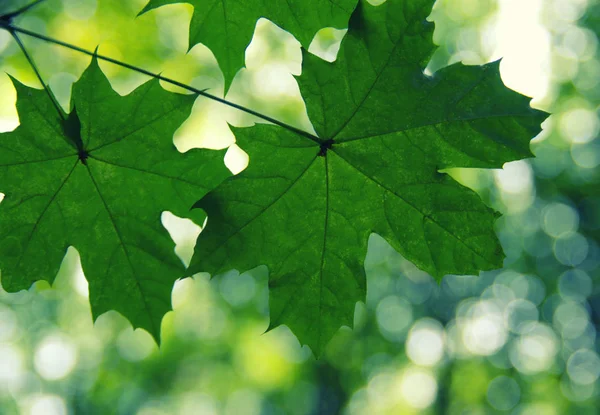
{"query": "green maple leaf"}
[(306, 207), (99, 182), (226, 26)]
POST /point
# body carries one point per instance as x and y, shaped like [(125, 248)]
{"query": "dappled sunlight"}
[(425, 342), (198, 68), (184, 233), (55, 357), (326, 43), (135, 345), (535, 350), (521, 340), (407, 390), (418, 387), (516, 182), (272, 45), (206, 128), (270, 360), (271, 90), (483, 330), (197, 315), (44, 404), (267, 84), (524, 43), (9, 119), (236, 159), (580, 125)]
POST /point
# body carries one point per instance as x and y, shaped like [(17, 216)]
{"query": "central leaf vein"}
[(125, 251)]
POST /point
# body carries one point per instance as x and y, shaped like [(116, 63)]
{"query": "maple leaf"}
[(306, 206), (226, 26), (99, 182)]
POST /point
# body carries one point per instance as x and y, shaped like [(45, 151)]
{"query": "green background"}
[(521, 340)]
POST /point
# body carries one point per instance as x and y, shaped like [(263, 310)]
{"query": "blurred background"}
[(521, 340)]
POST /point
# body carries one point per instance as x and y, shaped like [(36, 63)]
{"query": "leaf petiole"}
[(12, 28), (38, 74), (8, 17)]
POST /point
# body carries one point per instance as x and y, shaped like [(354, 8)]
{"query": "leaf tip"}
[(94, 61), (156, 336), (272, 325), (20, 87), (150, 6), (317, 350)]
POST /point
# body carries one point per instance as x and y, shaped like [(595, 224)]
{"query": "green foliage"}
[(306, 206), (226, 27), (101, 188), (307, 203)]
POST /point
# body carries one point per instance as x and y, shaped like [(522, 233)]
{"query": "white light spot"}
[(524, 43), (425, 344), (378, 391), (579, 125), (236, 159), (327, 42), (515, 177), (418, 387), (45, 404), (484, 332), (55, 357), (80, 283), (271, 45), (534, 351), (183, 232)]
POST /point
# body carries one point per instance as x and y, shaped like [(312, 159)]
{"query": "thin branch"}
[(10, 27), (60, 111), (8, 17)]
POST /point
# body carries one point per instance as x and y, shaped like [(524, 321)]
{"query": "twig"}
[(37, 73), (12, 28)]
